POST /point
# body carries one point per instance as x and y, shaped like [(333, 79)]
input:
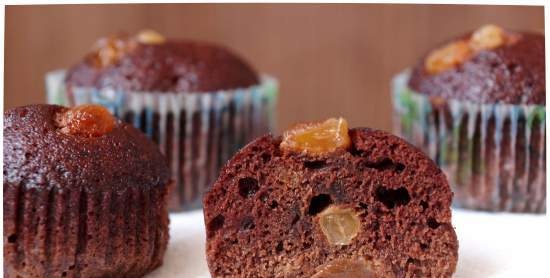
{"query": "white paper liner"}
[(198, 132), (494, 155)]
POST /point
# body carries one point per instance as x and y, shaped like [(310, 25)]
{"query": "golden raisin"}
[(317, 138), (87, 120), (346, 268), (340, 225), (447, 57), (150, 37), (487, 37), (111, 49)]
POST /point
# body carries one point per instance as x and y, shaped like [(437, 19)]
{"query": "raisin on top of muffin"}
[(150, 62), (50, 145), (488, 65)]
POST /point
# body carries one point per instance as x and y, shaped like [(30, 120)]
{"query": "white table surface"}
[(491, 245)]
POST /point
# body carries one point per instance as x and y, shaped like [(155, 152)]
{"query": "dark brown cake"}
[(511, 73), (476, 105), (198, 101), (372, 206), (84, 195), (155, 64)]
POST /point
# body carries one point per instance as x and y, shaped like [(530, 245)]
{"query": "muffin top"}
[(149, 62), (82, 147), (489, 65)]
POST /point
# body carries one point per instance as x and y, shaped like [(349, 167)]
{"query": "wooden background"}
[(330, 59)]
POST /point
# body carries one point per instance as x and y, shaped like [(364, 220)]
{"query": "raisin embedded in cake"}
[(372, 207)]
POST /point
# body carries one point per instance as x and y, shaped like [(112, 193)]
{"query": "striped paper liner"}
[(494, 155), (83, 232), (197, 132)]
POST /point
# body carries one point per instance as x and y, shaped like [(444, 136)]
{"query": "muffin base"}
[(83, 233), (494, 155)]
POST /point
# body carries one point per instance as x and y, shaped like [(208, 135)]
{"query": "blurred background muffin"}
[(85, 195), (198, 101), (476, 104)]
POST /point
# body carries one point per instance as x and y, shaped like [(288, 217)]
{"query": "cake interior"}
[(265, 212)]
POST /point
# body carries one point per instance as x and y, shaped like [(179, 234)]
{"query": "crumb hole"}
[(386, 164), (392, 197), (432, 223), (266, 157), (315, 164), (423, 246), (274, 204), (248, 187), (216, 223), (247, 223), (12, 238), (319, 203), (279, 247), (364, 208), (424, 205)]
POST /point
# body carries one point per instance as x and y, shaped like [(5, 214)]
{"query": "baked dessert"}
[(149, 62), (325, 201), (476, 105), (85, 195), (198, 101)]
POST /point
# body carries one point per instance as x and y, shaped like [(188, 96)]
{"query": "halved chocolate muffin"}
[(325, 201), (84, 195)]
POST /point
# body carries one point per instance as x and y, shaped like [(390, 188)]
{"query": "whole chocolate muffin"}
[(476, 105), (199, 102), (148, 62), (84, 195), (511, 72), (327, 202)]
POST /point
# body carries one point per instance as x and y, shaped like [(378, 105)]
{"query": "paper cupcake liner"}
[(197, 132), (494, 155), (55, 232)]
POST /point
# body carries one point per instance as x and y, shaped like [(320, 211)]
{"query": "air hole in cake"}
[(364, 209), (315, 164), (12, 238), (279, 247), (386, 164), (216, 223), (247, 223), (274, 204), (432, 223), (319, 203), (424, 205), (266, 157), (423, 246), (248, 187), (392, 197)]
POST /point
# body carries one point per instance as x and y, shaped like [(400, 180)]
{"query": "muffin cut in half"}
[(325, 201), (85, 195)]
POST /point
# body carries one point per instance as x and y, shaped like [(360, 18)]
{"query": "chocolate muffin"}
[(149, 62), (198, 101), (84, 195), (476, 104), (325, 201)]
